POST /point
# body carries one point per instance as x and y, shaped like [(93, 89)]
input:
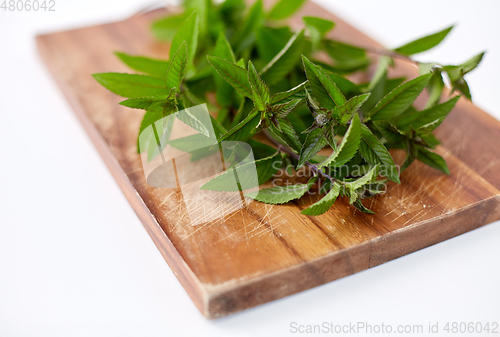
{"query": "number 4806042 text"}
[(28, 5)]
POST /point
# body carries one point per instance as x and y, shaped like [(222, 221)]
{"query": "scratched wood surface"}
[(261, 253)]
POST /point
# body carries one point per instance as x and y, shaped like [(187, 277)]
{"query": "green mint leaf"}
[(323, 88), (312, 106), (245, 37), (245, 107), (233, 74), (471, 64), (367, 153), (232, 11), (383, 156), (430, 140), (196, 121), (399, 99), (436, 84), (199, 154), (277, 134), (261, 150), (188, 33), (283, 194), (418, 119), (456, 74), (177, 68), (223, 49), (376, 187), (347, 58), (428, 128), (377, 85), (166, 28), (201, 83), (392, 83), (462, 87), (283, 109), (202, 8), (317, 28), (224, 113), (284, 9), (298, 120), (315, 141), (286, 132), (292, 94), (156, 68), (322, 25), (318, 159), (187, 98), (348, 147), (131, 85), (380, 73), (224, 96), (284, 62), (368, 178), (411, 154), (225, 92), (219, 129), (343, 52), (344, 85), (360, 207), (260, 91), (424, 43), (353, 196), (241, 63), (329, 133), (198, 144), (152, 104), (389, 132), (346, 111), (435, 88), (264, 168), (244, 130), (432, 159), (325, 203), (270, 40), (192, 143), (425, 68)]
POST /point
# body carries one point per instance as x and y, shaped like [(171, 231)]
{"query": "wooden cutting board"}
[(261, 253)]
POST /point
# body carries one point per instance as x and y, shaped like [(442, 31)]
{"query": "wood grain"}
[(263, 252)]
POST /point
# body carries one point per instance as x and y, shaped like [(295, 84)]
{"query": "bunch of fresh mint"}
[(258, 76)]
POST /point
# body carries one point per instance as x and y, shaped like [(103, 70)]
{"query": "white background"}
[(75, 260)]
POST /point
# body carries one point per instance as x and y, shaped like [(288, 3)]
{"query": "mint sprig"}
[(269, 79)]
